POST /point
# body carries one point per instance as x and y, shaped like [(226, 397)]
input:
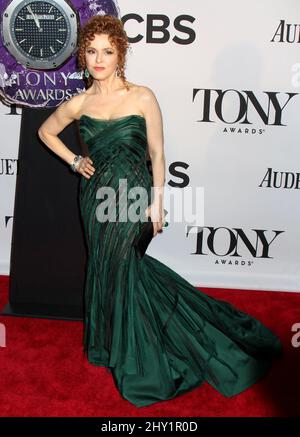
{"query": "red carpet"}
[(44, 372)]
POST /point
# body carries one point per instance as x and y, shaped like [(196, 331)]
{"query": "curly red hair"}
[(114, 28)]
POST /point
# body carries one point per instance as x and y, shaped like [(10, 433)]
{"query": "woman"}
[(159, 336)]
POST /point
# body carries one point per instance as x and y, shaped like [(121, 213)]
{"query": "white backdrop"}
[(250, 238)]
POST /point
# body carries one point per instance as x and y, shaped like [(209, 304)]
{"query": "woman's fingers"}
[(157, 219), (86, 168), (89, 163), (157, 226), (85, 174), (89, 170)]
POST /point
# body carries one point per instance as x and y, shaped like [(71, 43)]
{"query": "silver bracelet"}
[(76, 161)]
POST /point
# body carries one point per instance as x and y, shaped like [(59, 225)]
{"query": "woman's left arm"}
[(155, 139)]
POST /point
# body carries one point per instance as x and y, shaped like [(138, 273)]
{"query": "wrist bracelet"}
[(76, 161)]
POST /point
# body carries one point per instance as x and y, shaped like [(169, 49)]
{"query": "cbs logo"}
[(159, 29)]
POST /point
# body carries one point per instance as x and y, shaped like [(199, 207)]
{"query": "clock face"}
[(40, 34), (40, 30)]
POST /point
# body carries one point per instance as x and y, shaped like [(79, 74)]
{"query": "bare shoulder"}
[(146, 93), (140, 91), (144, 99), (72, 106), (147, 101)]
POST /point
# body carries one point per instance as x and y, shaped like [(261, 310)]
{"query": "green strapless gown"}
[(157, 334)]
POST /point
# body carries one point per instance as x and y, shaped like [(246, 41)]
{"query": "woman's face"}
[(101, 57)]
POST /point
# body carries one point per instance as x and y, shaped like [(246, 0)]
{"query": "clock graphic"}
[(40, 34)]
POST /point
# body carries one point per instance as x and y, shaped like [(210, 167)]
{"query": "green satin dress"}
[(157, 334)]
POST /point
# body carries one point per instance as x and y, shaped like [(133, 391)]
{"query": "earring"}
[(86, 73), (118, 71)]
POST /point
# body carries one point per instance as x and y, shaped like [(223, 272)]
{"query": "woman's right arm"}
[(48, 132)]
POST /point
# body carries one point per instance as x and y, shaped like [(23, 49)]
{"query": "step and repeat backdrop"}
[(227, 77)]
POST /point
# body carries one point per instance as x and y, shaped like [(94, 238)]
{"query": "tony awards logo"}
[(240, 109)]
